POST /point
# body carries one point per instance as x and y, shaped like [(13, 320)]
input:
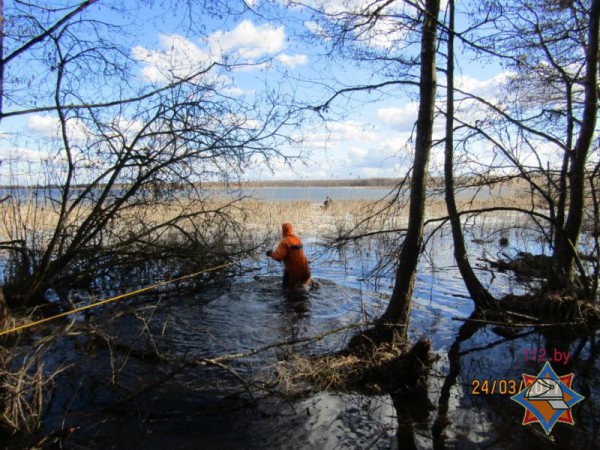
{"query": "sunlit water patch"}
[(199, 407)]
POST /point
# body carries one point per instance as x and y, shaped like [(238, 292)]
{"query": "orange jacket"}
[(291, 253)]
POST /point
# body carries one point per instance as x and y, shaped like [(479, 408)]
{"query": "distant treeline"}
[(360, 182), (433, 181), (356, 182)]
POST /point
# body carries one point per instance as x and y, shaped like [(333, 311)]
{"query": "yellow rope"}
[(112, 299)]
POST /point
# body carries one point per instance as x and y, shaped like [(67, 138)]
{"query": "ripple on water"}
[(250, 315)]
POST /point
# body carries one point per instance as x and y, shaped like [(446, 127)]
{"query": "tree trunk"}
[(1, 58), (565, 253), (480, 295), (398, 310)]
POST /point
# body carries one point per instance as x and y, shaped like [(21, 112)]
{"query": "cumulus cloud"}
[(404, 118), (488, 88), (337, 135), (347, 149), (357, 159), (293, 60), (49, 127), (249, 41), (45, 126), (315, 28), (127, 125), (177, 58), (233, 91), (21, 154), (401, 118), (351, 131), (385, 32)]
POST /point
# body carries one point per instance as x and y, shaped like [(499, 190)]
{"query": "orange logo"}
[(547, 398)]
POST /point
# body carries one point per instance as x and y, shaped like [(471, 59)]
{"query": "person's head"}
[(287, 229)]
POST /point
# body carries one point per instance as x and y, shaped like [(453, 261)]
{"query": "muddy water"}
[(205, 407)]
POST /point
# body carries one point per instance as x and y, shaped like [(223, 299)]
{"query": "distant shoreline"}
[(359, 182), (433, 181)]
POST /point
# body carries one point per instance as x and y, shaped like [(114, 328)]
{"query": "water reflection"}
[(467, 417), (197, 407)]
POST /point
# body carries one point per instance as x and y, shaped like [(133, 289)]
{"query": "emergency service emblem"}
[(547, 398)]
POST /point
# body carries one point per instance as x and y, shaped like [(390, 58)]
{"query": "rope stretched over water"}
[(112, 299)]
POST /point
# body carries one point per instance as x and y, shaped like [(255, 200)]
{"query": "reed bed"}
[(333, 372), (309, 218), (35, 220)]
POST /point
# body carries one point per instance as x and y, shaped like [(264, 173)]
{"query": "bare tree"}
[(566, 252), (544, 125), (126, 175), (402, 39), (399, 307), (481, 297)]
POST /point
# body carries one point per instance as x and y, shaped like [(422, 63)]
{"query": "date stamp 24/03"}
[(496, 386)]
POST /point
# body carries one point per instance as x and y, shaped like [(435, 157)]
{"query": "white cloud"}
[(352, 148), (233, 91), (178, 58), (21, 154), (315, 28), (358, 154), (45, 126), (127, 125), (351, 131), (402, 118), (488, 88), (337, 135), (249, 40), (385, 32), (293, 60), (49, 127)]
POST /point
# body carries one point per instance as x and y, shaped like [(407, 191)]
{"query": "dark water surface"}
[(201, 407)]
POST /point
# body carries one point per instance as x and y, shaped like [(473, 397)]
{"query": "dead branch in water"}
[(518, 325), (180, 364)]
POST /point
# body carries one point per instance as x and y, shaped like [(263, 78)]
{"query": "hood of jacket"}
[(287, 229)]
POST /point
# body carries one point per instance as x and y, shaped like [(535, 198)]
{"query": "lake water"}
[(315, 194), (318, 194), (204, 407)]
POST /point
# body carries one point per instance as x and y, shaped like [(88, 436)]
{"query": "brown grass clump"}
[(383, 368), (25, 386)]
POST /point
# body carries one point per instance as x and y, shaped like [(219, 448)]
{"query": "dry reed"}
[(345, 371), (34, 219), (24, 387)]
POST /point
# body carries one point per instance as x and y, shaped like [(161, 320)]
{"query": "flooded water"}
[(179, 405)]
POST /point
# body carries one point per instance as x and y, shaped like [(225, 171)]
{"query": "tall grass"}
[(25, 386), (32, 220)]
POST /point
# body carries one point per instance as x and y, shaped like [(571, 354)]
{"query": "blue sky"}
[(366, 136)]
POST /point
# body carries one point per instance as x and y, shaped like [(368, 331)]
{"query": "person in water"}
[(296, 271)]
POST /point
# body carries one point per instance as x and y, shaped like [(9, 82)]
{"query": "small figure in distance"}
[(327, 203), (296, 272)]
